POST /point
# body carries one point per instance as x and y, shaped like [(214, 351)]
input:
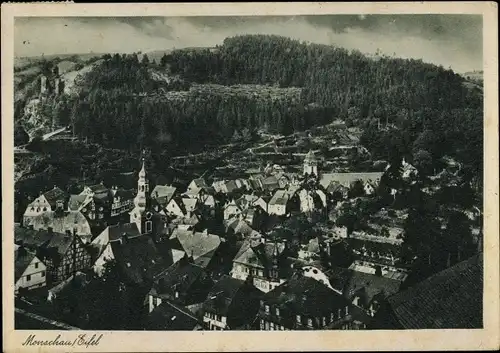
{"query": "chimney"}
[(124, 238), (68, 233), (50, 230)]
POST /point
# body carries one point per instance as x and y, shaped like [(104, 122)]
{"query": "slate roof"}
[(449, 299), (163, 193), (346, 179), (258, 256), (280, 197), (77, 202), (366, 285), (138, 259), (54, 195), (60, 243), (168, 316), (180, 277), (221, 295), (197, 245), (115, 233), (22, 260), (80, 281), (306, 296), (32, 239), (60, 224), (98, 188), (125, 194)]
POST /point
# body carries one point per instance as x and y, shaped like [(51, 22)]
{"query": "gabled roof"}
[(221, 295), (449, 299), (125, 194), (168, 316), (80, 280), (77, 202), (32, 239), (367, 285), (189, 204), (163, 193), (60, 243), (54, 195), (346, 179), (260, 255), (302, 295), (178, 278), (23, 259), (138, 258), (280, 197), (246, 201), (115, 233), (98, 188), (195, 244), (60, 224)]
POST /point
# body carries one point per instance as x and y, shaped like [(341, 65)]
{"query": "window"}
[(45, 209), (347, 310), (177, 294), (43, 274), (149, 227), (277, 312), (28, 278), (298, 318), (323, 322), (339, 313), (271, 326), (36, 264), (267, 309), (309, 322), (262, 326)]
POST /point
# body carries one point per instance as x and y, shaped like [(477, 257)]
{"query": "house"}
[(98, 189), (163, 194), (101, 245), (449, 299), (78, 202), (232, 304), (282, 201), (63, 255), (195, 186), (311, 200), (337, 190), (123, 201), (183, 283), (29, 271), (138, 259), (181, 207), (31, 239), (51, 200), (60, 222), (348, 179), (202, 247), (270, 183), (171, 317), (246, 201), (263, 203), (231, 210), (68, 285), (265, 262), (303, 303), (362, 289)]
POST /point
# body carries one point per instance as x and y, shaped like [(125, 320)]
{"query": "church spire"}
[(141, 200)]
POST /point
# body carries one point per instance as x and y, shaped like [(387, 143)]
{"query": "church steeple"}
[(141, 200), (310, 164)]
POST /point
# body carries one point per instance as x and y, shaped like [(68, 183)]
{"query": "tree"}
[(423, 162), (164, 60), (21, 137), (357, 189), (145, 59)]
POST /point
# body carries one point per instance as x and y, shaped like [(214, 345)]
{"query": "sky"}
[(449, 40)]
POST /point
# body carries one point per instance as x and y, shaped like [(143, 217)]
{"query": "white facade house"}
[(30, 271)]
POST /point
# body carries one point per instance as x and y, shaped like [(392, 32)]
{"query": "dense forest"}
[(405, 107)]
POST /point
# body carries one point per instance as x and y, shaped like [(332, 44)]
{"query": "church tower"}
[(141, 201), (310, 164)]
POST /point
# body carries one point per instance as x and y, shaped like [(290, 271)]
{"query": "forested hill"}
[(406, 107)]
